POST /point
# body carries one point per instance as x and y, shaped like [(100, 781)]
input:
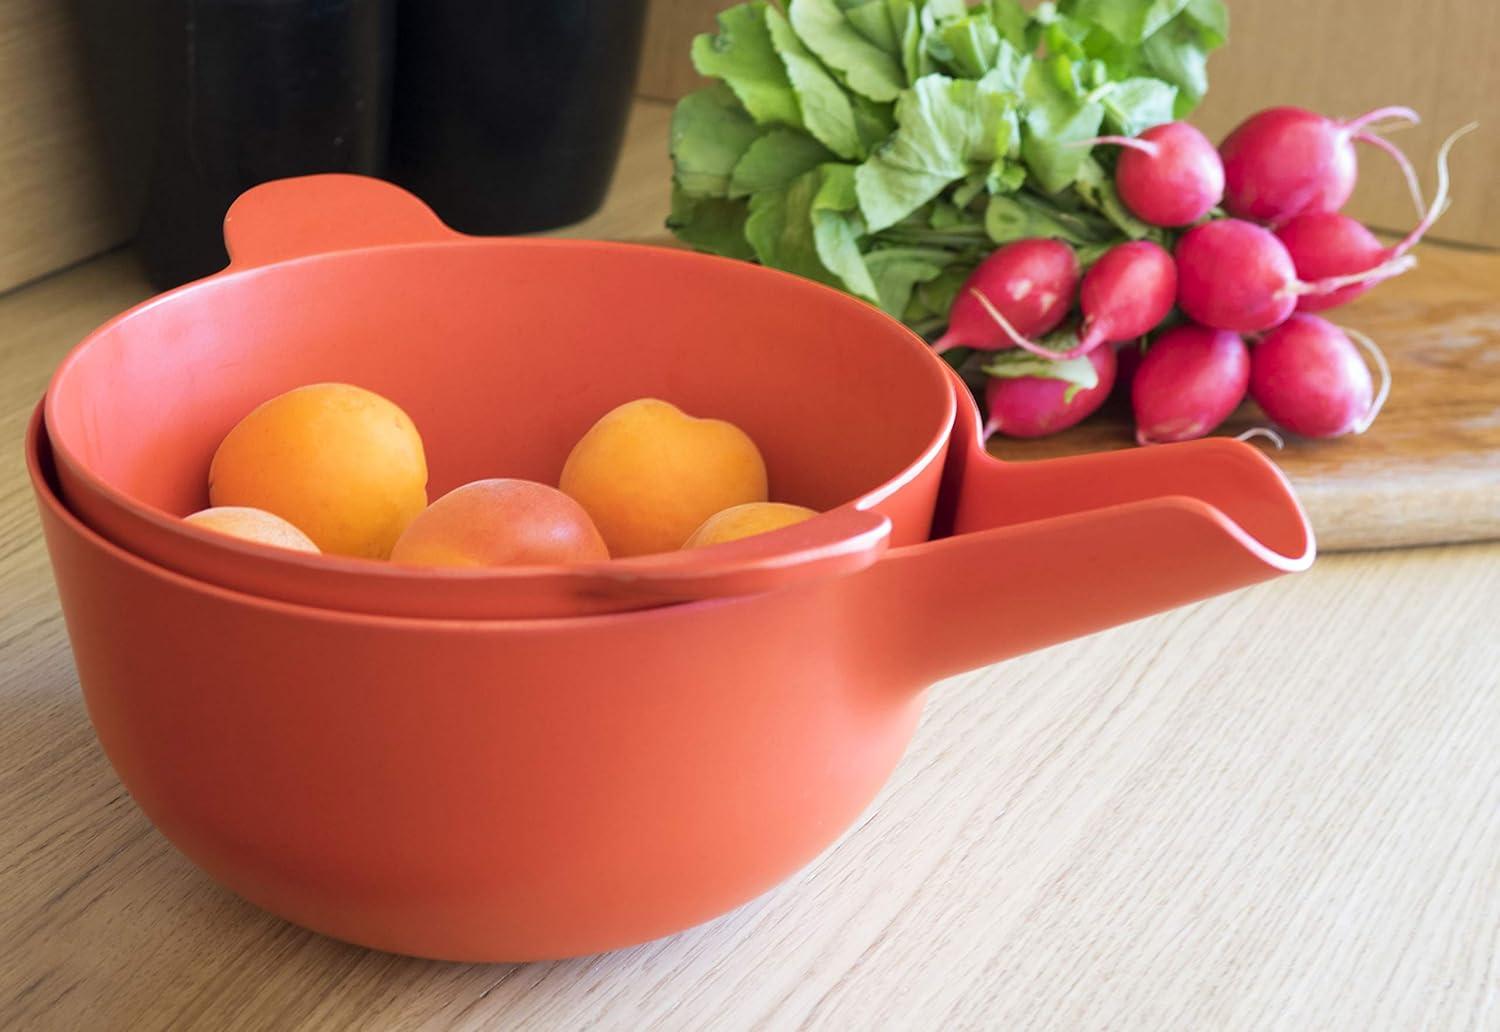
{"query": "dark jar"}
[(199, 100), (507, 116)]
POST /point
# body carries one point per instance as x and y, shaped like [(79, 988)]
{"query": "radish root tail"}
[(1144, 146), (1377, 357), (1439, 198), (1262, 431), (1396, 112), (1397, 260), (1413, 186), (945, 343), (1025, 343), (1384, 271)]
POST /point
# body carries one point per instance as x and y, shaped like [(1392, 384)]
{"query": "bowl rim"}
[(325, 564), (48, 497)]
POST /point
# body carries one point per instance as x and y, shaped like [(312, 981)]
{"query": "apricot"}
[(252, 525), (340, 462), (742, 521), (500, 523), (649, 474)]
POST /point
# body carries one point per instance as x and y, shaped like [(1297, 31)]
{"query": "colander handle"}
[(308, 215), (1043, 551)]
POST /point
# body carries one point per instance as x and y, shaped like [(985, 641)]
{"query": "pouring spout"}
[(1250, 498), (1046, 551)]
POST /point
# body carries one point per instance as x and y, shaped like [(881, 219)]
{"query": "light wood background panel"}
[(1340, 57), (666, 72), (1344, 57), (54, 203)]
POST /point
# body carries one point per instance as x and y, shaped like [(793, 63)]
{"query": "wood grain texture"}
[(53, 194), (1428, 471), (666, 70), (1277, 809), (1340, 57)]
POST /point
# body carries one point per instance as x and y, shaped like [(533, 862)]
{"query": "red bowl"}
[(526, 789), (503, 351), (529, 788)]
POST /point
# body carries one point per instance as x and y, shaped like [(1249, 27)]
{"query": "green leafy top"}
[(885, 146)]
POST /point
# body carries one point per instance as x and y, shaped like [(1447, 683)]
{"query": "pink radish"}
[(1327, 244), (1125, 294), (1286, 161), (1032, 281), (1034, 406), (1235, 275), (1189, 382), (1169, 175), (1308, 377)]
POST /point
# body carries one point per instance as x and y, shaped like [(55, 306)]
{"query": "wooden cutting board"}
[(1428, 471)]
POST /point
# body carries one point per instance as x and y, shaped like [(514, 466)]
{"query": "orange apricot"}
[(252, 525), (500, 523), (342, 463), (649, 474), (742, 521)]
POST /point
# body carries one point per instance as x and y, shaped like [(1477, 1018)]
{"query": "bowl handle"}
[(307, 215), (1040, 552)]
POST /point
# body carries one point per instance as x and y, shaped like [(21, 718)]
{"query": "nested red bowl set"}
[(541, 762)]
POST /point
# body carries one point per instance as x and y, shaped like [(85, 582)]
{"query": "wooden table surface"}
[(1276, 809)]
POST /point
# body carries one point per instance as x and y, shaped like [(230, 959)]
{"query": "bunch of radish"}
[(1259, 247)]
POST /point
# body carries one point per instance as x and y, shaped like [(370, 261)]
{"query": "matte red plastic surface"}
[(512, 790)]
